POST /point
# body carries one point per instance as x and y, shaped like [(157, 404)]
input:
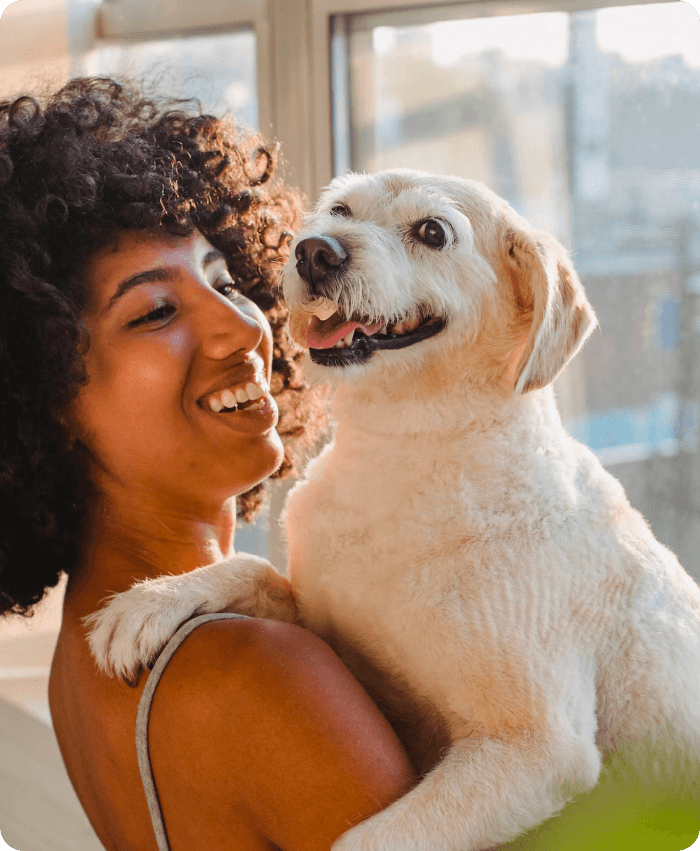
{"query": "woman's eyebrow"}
[(153, 275), (212, 256)]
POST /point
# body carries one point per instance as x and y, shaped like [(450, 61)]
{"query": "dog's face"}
[(402, 269)]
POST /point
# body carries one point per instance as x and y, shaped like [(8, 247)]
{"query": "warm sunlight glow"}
[(541, 37), (637, 33)]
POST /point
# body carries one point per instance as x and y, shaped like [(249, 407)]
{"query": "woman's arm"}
[(257, 726)]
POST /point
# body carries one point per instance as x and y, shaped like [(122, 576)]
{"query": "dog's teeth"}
[(325, 312), (321, 307), (348, 340), (398, 328), (412, 323), (383, 330)]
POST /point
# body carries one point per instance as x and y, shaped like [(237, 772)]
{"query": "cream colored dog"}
[(479, 571)]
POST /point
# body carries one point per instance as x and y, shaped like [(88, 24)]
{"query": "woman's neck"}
[(129, 540)]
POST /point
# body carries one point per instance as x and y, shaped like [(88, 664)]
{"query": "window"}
[(218, 69), (586, 121)]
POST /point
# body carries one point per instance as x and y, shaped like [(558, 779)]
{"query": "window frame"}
[(134, 20), (295, 74)]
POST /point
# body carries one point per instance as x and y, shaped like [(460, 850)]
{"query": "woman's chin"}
[(265, 458)]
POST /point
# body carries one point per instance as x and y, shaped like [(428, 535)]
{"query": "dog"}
[(476, 568)]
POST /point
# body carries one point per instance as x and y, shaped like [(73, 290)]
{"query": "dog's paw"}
[(129, 632), (357, 838)]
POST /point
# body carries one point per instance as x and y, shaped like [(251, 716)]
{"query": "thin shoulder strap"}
[(143, 717)]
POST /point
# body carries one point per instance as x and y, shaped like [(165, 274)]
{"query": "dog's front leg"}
[(483, 793), (134, 626)]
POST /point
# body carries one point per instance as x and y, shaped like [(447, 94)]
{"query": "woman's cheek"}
[(156, 367)]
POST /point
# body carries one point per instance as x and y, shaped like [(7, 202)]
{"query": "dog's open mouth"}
[(337, 341)]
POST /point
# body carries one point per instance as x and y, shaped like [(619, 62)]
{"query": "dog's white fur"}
[(478, 569)]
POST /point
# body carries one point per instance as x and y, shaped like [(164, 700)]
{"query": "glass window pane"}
[(587, 122), (218, 69)]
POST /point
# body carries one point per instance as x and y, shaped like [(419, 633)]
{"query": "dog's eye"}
[(341, 210), (432, 233)]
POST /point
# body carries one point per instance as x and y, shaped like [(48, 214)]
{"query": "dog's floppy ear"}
[(562, 318)]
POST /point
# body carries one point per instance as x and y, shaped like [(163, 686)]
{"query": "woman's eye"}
[(158, 314), (227, 288), (432, 233)]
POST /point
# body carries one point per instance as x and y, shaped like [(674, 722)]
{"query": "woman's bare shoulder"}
[(257, 724)]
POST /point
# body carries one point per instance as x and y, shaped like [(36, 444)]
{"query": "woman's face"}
[(169, 334)]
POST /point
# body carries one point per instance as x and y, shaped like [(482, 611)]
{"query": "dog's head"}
[(402, 267)]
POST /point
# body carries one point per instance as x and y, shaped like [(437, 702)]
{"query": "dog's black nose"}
[(317, 256)]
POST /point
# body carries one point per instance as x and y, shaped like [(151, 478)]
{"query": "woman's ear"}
[(562, 318)]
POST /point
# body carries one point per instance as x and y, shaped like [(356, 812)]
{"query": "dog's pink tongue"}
[(325, 333)]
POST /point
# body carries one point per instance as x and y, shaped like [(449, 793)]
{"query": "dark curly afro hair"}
[(75, 168)]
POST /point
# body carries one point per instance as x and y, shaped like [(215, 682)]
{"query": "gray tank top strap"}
[(143, 716)]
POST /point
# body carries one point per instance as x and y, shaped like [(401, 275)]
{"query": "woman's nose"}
[(228, 327)]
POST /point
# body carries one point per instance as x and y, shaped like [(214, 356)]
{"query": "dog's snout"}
[(317, 256)]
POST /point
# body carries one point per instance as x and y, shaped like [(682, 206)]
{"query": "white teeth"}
[(348, 339), (232, 398), (228, 399), (382, 330), (254, 392), (398, 328)]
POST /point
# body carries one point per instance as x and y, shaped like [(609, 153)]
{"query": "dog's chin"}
[(363, 347)]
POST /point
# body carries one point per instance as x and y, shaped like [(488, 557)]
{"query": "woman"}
[(138, 250)]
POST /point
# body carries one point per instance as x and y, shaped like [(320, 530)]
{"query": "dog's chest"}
[(356, 532), (358, 544)]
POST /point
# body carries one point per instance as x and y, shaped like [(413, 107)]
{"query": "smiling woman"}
[(99, 160), (142, 361)]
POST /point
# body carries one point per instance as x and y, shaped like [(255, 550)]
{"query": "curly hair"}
[(75, 167)]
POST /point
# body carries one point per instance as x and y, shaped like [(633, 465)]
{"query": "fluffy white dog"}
[(480, 572)]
